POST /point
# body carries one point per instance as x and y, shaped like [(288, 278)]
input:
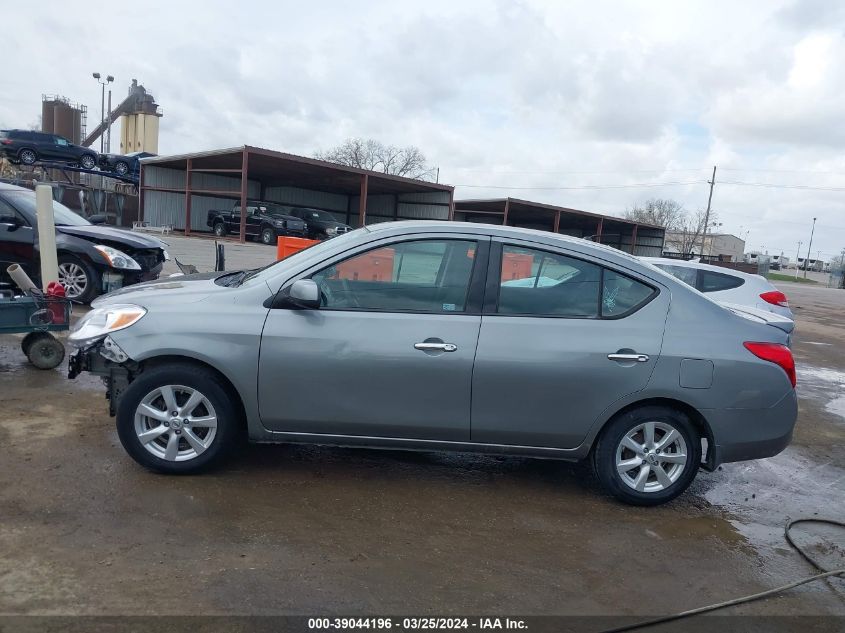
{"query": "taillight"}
[(776, 298), (774, 353), (6, 141)]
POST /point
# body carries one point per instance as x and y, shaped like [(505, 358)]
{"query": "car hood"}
[(760, 316), (97, 233), (326, 224), (171, 290)]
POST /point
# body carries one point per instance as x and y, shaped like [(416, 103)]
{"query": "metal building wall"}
[(295, 196)]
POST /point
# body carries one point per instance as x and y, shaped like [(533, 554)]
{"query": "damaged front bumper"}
[(105, 358)]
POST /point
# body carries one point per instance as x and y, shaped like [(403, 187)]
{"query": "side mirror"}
[(304, 293), (98, 218)]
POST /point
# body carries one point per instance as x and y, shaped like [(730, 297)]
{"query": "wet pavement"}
[(301, 530)]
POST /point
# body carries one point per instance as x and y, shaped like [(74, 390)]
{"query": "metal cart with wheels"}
[(38, 317)]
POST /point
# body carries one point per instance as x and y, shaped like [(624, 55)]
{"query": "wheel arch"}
[(178, 359), (696, 417)]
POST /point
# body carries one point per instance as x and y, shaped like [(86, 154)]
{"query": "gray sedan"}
[(445, 336)]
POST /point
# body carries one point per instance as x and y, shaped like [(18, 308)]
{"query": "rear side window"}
[(713, 282), (621, 294), (545, 284)]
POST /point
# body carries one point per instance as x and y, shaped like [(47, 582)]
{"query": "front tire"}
[(268, 236), (79, 279), (121, 168), (220, 229), (177, 419), (648, 455), (87, 162)]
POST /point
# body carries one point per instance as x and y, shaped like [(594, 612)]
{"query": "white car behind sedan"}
[(726, 285)]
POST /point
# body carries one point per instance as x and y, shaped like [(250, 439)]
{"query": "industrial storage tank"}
[(60, 116)]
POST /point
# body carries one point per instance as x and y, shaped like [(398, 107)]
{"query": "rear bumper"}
[(742, 434)]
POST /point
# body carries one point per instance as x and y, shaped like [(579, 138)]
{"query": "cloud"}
[(522, 94)]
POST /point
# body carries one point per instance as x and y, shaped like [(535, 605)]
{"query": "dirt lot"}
[(291, 530)]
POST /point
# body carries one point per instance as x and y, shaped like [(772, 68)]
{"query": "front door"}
[(390, 351), (17, 241), (563, 340)]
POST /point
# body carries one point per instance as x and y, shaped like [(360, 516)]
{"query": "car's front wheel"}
[(268, 236), (78, 278), (87, 161), (177, 419), (648, 455), (121, 168), (220, 229)]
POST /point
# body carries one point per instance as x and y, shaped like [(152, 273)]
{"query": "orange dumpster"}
[(287, 246)]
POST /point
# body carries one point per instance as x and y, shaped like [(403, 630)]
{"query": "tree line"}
[(684, 229)]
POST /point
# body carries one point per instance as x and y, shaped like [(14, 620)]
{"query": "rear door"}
[(562, 338), (390, 351)]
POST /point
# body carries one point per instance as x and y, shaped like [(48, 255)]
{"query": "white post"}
[(46, 235)]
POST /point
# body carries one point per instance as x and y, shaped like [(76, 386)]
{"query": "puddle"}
[(824, 383), (836, 406)]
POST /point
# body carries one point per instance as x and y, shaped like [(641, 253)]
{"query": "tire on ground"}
[(604, 454), (187, 374)]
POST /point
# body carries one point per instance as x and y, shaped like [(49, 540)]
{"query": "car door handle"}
[(436, 347), (629, 358)]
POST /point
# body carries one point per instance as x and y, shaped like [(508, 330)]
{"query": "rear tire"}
[(87, 162), (27, 156), (121, 168), (647, 456), (164, 442), (45, 351)]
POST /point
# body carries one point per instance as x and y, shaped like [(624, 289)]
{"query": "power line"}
[(773, 185), (557, 188)]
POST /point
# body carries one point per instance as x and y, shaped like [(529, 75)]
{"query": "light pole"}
[(809, 248), (103, 83)]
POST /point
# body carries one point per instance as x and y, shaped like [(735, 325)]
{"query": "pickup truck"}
[(265, 221)]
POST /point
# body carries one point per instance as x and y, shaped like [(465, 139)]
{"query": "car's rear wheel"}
[(268, 236), (648, 455), (121, 168), (78, 278), (27, 156), (87, 161), (220, 229), (177, 419)]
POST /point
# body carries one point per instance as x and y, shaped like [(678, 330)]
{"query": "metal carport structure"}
[(626, 235), (179, 190)]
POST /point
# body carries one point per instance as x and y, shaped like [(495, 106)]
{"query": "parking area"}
[(294, 529)]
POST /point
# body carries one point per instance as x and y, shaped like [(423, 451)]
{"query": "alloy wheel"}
[(88, 162), (74, 279), (27, 157), (651, 457), (267, 236), (121, 168), (175, 423)]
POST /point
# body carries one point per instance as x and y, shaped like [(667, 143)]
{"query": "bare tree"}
[(660, 211), (687, 235), (376, 156)]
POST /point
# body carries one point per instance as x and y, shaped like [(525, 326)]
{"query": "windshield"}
[(314, 249), (25, 202)]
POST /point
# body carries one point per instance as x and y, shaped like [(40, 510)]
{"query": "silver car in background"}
[(445, 336), (726, 285)]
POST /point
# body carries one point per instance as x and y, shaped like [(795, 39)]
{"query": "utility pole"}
[(797, 257), (712, 182), (809, 248)]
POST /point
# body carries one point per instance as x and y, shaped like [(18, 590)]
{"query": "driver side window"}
[(414, 276)]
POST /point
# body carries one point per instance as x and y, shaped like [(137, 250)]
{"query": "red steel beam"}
[(141, 195), (634, 239), (244, 186), (362, 203), (598, 230), (507, 208), (188, 199), (557, 221), (451, 205)]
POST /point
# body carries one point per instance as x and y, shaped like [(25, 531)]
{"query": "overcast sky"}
[(560, 102)]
